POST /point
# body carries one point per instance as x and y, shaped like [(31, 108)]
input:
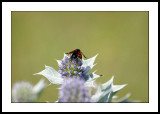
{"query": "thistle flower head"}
[(74, 90), (71, 67), (26, 92), (23, 92)]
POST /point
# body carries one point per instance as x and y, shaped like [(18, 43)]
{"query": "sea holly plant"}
[(76, 82), (69, 68), (106, 91)]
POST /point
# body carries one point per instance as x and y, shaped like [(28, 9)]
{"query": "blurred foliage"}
[(120, 38)]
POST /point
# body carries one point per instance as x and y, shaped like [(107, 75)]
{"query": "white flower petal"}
[(88, 68), (59, 62), (126, 100), (106, 96), (104, 92), (92, 76), (52, 75), (65, 55), (90, 83), (100, 95), (39, 86), (108, 84), (116, 88), (90, 79), (125, 97), (88, 64), (97, 95)]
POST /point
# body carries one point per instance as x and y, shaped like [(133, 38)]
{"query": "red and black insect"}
[(76, 54)]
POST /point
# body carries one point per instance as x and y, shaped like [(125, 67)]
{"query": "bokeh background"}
[(120, 39)]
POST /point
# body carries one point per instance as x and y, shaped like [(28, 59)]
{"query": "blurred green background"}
[(120, 39)]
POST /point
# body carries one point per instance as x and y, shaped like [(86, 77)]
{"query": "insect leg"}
[(84, 55)]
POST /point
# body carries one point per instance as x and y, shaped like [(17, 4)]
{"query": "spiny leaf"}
[(51, 74)]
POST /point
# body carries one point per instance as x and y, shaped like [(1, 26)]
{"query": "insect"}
[(76, 54)]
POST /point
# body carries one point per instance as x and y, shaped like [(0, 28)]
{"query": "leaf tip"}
[(112, 78)]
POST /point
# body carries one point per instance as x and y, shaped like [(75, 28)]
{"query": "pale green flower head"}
[(26, 92)]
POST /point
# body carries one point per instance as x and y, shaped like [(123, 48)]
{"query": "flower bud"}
[(74, 90)]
